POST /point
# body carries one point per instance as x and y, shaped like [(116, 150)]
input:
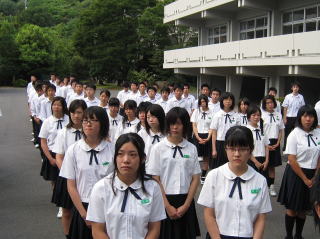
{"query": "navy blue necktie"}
[(78, 135), (311, 139), (59, 124), (125, 198), (237, 182), (177, 148), (114, 122), (155, 138), (93, 155), (204, 114), (226, 119), (272, 118), (258, 137), (244, 120), (128, 124)]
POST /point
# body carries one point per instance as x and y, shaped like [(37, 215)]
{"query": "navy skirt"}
[(60, 195), (49, 172), (294, 194), (274, 156), (228, 237), (260, 160), (221, 158), (186, 227), (204, 150), (78, 227)]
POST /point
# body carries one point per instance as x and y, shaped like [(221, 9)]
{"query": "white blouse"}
[(203, 120), (272, 124), (222, 121)]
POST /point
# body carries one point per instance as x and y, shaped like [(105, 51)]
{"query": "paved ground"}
[(25, 208)]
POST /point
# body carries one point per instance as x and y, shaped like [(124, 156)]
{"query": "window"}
[(301, 20), (217, 34), (254, 28)]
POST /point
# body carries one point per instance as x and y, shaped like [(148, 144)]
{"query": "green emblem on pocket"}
[(105, 163), (145, 201), (186, 156), (255, 191)]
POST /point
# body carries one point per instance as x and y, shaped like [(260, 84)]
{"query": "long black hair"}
[(75, 104), (174, 115), (252, 110), (143, 107), (129, 104), (63, 103), (239, 136), (101, 116), (158, 112), (308, 110)]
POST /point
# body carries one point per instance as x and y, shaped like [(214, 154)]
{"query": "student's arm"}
[(195, 132), (171, 210), (266, 162), (46, 151), (281, 132), (74, 194), (211, 222), (99, 230), (256, 162), (153, 230), (285, 109), (214, 139), (59, 160), (297, 169), (192, 191), (258, 227)]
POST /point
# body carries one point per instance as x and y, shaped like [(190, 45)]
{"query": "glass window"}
[(311, 26), (297, 27), (216, 31), (250, 35), (298, 15), (217, 34), (287, 29), (223, 39), (243, 26), (311, 12), (261, 22), (259, 33), (250, 24), (287, 17), (243, 36), (254, 28), (216, 40), (223, 30)]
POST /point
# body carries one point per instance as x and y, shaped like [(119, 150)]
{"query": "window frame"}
[(211, 38), (265, 28)]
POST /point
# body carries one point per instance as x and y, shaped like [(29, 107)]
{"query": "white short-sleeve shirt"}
[(235, 217), (127, 127), (293, 104), (114, 124), (175, 172), (306, 151), (65, 138), (260, 141), (94, 102), (272, 124), (148, 99), (243, 119), (163, 104), (203, 120), (105, 207), (76, 166), (75, 97), (45, 109), (215, 107), (317, 108), (123, 96), (221, 122), (173, 102), (50, 128), (190, 102)]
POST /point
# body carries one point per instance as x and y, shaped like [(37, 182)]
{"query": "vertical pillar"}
[(233, 85)]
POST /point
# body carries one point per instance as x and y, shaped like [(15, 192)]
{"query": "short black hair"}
[(52, 87), (264, 101), (92, 86), (165, 89), (203, 97), (105, 91), (308, 110), (113, 101), (101, 116), (187, 85), (272, 89), (245, 101), (75, 104), (158, 112), (174, 115), (63, 103), (224, 96), (177, 86), (297, 83), (143, 83), (216, 90), (151, 88), (239, 136), (129, 104), (252, 110), (125, 84), (38, 85), (135, 83), (79, 83), (143, 106), (205, 85)]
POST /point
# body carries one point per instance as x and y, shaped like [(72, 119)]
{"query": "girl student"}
[(85, 163), (201, 119), (66, 137), (274, 130), (221, 122), (303, 150), (104, 98), (127, 198), (174, 164), (260, 155), (115, 118), (235, 197), (242, 110), (142, 112), (154, 130), (48, 134)]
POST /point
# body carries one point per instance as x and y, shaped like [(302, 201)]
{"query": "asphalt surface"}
[(25, 208)]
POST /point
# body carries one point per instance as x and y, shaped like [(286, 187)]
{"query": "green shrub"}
[(19, 83)]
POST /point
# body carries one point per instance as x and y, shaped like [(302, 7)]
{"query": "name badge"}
[(145, 201), (105, 163), (255, 191), (186, 156)]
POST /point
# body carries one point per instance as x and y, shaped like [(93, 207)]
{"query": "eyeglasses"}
[(239, 150), (91, 121)]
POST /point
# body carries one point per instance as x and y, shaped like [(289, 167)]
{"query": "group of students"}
[(129, 167)]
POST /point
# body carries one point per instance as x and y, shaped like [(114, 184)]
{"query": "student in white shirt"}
[(66, 137), (151, 91), (177, 100), (48, 134), (45, 105), (104, 99), (123, 94), (214, 103), (78, 93), (85, 163), (242, 110), (142, 113), (127, 203), (273, 91), (134, 92), (221, 122), (71, 89), (158, 96), (317, 108), (204, 90), (303, 150), (35, 111), (260, 155), (274, 129), (142, 95), (235, 197), (190, 100), (291, 104), (163, 101), (174, 164), (154, 130), (171, 93), (115, 119), (201, 119), (91, 100)]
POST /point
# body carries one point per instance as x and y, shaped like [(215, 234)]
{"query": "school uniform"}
[(236, 210), (141, 98), (132, 96), (70, 92), (49, 131), (65, 138), (215, 107), (176, 164), (243, 119), (272, 125), (126, 127), (123, 96), (277, 108), (153, 101), (94, 102), (209, 100), (317, 108), (260, 141), (190, 102), (106, 107), (114, 124), (75, 96), (174, 102), (86, 166), (222, 122), (150, 140), (126, 210), (45, 109), (294, 194), (163, 104), (203, 120), (158, 96)]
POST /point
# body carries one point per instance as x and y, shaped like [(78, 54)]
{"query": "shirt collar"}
[(65, 117), (122, 186), (171, 145), (83, 145), (135, 121), (74, 130), (226, 171), (153, 134)]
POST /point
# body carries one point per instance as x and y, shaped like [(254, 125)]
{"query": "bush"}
[(19, 83)]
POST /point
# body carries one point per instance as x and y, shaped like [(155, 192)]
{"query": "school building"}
[(246, 46)]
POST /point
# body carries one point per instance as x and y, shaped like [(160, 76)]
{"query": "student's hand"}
[(265, 165), (37, 120), (285, 121), (214, 153), (271, 147), (88, 223), (172, 212), (258, 164), (52, 161), (182, 210), (308, 182)]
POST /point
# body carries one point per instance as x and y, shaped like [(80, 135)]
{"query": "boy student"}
[(163, 101), (124, 93), (214, 103), (35, 111), (114, 118), (133, 94), (53, 79), (151, 91), (142, 96), (91, 100), (171, 94), (177, 100), (71, 89), (291, 105), (155, 85), (78, 93), (45, 106), (190, 100), (204, 90)]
